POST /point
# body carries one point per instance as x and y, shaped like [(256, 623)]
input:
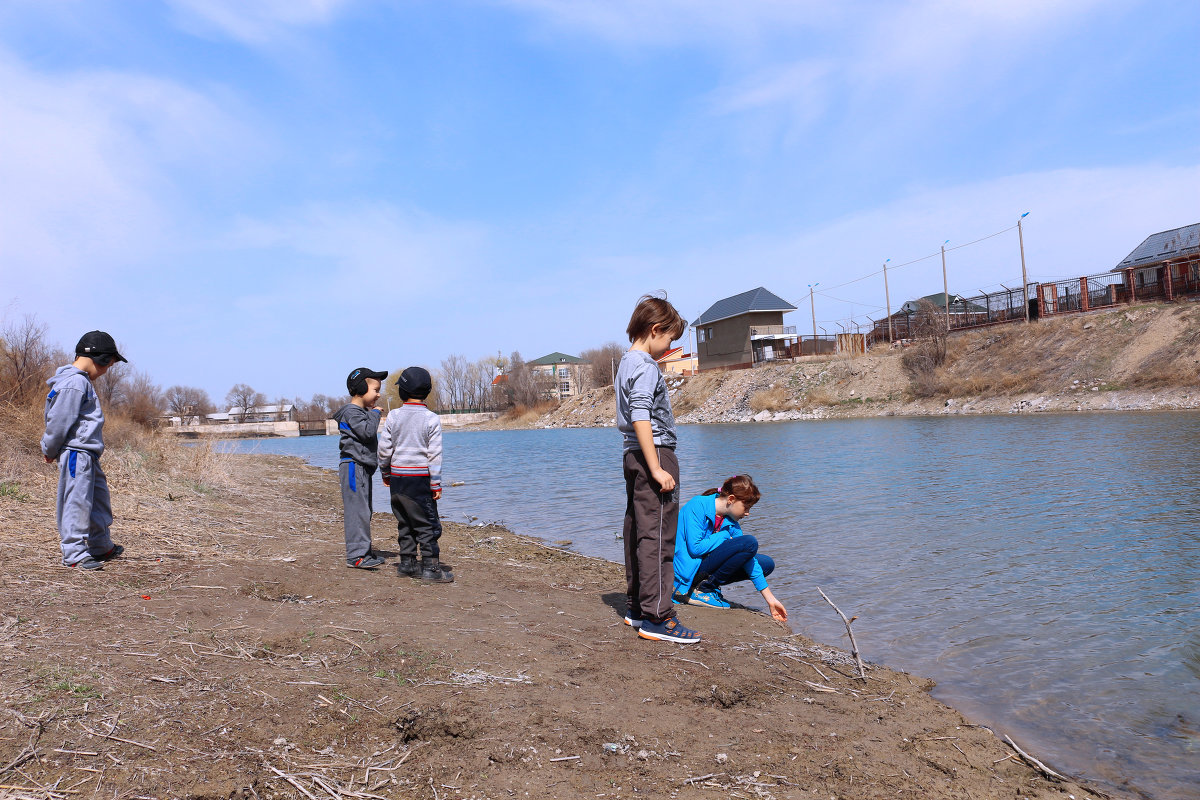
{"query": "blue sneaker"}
[(669, 630), (711, 599), (633, 621)]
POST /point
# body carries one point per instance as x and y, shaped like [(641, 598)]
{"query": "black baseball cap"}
[(415, 382), (98, 343), (356, 381)]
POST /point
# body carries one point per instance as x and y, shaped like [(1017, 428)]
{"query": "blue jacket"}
[(695, 538)]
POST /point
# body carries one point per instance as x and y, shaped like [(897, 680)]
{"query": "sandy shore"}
[(232, 654)]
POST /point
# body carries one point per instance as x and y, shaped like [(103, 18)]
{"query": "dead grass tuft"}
[(776, 398)]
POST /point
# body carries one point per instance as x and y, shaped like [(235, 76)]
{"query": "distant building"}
[(744, 330), (678, 362), (563, 372), (270, 413), (963, 312), (1169, 258)]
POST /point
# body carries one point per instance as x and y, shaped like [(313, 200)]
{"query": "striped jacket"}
[(410, 443)]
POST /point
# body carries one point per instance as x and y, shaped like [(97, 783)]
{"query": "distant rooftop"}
[(1161, 246), (556, 358), (754, 300)]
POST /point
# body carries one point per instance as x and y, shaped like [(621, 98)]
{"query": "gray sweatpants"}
[(84, 509), (356, 505)]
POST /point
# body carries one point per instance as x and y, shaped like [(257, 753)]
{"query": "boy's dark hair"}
[(654, 311), (741, 487)]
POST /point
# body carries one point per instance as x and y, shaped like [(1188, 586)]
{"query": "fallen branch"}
[(1049, 773), (862, 671)]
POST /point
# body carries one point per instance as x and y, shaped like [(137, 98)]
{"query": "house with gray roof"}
[(1165, 264), (743, 330)]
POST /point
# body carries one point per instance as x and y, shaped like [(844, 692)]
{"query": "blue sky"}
[(277, 191)]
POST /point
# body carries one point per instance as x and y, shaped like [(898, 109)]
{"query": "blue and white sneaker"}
[(669, 630), (635, 622), (711, 599)]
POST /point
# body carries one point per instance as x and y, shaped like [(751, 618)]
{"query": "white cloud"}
[(86, 167), (1081, 222), (258, 21)]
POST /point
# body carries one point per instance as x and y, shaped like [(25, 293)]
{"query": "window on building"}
[(700, 336)]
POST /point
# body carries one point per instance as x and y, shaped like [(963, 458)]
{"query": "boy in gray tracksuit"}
[(358, 423), (74, 438), (410, 455)]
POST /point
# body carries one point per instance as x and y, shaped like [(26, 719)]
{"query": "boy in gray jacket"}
[(410, 455), (74, 438), (358, 423)]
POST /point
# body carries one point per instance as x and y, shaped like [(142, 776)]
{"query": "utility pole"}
[(1024, 275), (945, 285), (888, 301), (813, 309)]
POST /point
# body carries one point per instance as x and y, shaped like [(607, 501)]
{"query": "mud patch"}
[(438, 722)]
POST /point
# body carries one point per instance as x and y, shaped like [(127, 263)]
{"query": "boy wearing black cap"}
[(358, 423), (410, 455), (74, 437)]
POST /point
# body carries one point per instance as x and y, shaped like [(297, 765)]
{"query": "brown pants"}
[(650, 521)]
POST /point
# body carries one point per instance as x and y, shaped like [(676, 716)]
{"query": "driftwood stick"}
[(1049, 773), (862, 671), (292, 781)]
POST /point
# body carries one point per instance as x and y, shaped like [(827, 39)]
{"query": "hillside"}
[(1132, 358)]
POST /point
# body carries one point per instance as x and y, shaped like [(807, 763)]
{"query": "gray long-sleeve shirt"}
[(410, 443), (359, 429), (74, 420), (642, 395)]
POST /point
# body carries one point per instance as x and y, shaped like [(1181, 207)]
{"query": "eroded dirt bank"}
[(231, 654)]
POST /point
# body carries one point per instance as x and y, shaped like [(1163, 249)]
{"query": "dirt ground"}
[(231, 654)]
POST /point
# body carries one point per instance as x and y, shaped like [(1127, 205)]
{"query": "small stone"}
[(722, 758)]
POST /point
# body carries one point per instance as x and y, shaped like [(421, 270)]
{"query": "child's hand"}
[(387, 479), (437, 494), (49, 460), (665, 482), (778, 612)]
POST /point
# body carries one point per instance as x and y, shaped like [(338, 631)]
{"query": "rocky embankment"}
[(1142, 358)]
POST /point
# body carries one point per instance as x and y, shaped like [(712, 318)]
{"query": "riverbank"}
[(1142, 358), (231, 654)]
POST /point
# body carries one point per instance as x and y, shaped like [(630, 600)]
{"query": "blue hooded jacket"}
[(695, 538), (74, 420)]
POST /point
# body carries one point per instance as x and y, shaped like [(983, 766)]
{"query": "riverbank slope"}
[(1128, 359), (231, 653)]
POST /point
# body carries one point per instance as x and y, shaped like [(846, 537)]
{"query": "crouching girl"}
[(711, 551)]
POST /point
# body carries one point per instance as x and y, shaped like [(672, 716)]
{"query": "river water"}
[(1043, 569)]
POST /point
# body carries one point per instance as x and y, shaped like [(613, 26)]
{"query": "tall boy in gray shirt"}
[(74, 437), (651, 473)]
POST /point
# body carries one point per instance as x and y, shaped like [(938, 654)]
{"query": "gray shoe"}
[(432, 572)]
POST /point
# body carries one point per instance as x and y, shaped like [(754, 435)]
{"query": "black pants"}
[(416, 517), (650, 521)]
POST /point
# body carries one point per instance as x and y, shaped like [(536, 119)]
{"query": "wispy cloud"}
[(89, 163), (257, 22)]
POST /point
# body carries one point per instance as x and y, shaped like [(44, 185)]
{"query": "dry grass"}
[(776, 398), (696, 390), (525, 416)]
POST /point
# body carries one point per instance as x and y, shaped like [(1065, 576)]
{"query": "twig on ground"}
[(1049, 773), (862, 671)]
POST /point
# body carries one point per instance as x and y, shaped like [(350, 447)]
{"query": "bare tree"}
[(453, 378), (526, 387), (187, 403), (141, 399), (25, 360), (602, 364), (244, 397), (928, 329)]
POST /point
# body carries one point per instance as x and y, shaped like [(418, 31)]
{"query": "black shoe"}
[(369, 561), (115, 552), (89, 563), (432, 572), (408, 566)]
